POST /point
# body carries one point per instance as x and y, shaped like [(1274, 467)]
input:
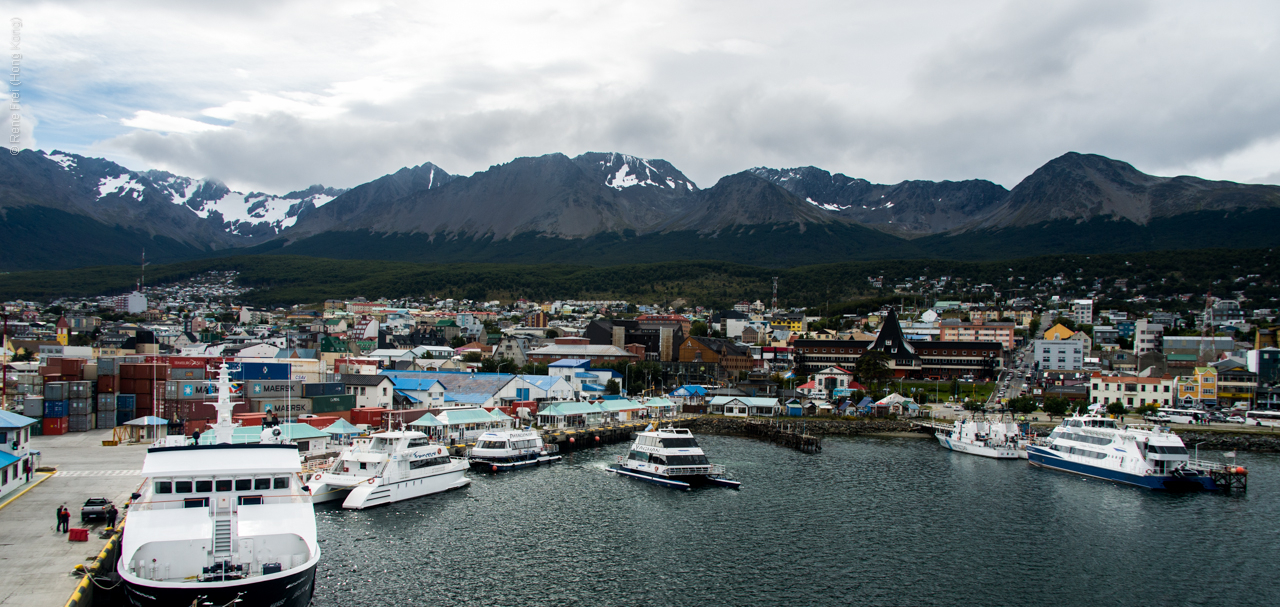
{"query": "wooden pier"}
[(569, 439), (785, 435)]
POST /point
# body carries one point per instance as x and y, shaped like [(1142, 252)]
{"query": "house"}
[(980, 330), (463, 389), (420, 393), (579, 348), (1133, 391), (464, 424), (914, 359), (536, 389), (370, 390), (728, 355), (743, 406), (1199, 389), (622, 409), (571, 414), (17, 461), (1237, 385), (835, 382)]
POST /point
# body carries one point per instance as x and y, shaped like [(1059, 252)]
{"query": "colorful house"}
[(1200, 388)]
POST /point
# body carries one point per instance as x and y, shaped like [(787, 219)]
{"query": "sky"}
[(277, 96)]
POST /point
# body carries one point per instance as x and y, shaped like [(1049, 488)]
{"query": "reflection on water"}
[(869, 521)]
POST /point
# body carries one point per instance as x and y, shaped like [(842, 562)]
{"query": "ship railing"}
[(554, 448), (710, 469), (1209, 466), (203, 502), (621, 459)]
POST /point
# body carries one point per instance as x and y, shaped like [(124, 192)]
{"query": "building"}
[(1236, 384), (729, 356), (1200, 389), (133, 303), (1082, 311), (1148, 336), (581, 348), (370, 390), (835, 382), (1058, 354), (660, 339), (910, 360), (17, 461), (981, 330), (1190, 351), (1265, 363), (1133, 391), (794, 322)]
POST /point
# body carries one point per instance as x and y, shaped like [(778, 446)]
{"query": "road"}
[(37, 563)]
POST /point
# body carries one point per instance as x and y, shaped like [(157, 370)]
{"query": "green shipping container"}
[(330, 404)]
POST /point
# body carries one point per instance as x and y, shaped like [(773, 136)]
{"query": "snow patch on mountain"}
[(67, 162), (635, 171), (826, 206), (122, 185)]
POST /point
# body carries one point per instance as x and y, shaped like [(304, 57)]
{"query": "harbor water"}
[(869, 521)]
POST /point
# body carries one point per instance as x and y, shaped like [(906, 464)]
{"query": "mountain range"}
[(62, 210)]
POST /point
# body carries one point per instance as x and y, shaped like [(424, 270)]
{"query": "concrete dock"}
[(36, 563)]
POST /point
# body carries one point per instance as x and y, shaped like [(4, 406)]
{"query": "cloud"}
[(340, 93)]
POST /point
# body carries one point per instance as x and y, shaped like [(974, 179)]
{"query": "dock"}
[(1228, 478), (785, 434), (571, 439)]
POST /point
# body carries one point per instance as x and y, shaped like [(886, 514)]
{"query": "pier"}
[(785, 434)]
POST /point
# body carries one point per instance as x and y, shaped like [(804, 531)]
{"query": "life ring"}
[(316, 477), (371, 479)]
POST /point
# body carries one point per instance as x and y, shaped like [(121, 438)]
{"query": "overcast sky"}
[(277, 96)]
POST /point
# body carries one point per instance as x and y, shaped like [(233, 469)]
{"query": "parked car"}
[(1235, 419), (94, 507)]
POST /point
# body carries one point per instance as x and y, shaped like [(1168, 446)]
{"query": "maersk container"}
[(55, 408), (190, 390), (271, 389), (107, 365), (80, 389), (259, 371)]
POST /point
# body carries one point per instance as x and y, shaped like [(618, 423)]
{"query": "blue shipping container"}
[(123, 416), (325, 389), (126, 402), (259, 371), (55, 408)]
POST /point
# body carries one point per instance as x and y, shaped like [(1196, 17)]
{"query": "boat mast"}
[(224, 428)]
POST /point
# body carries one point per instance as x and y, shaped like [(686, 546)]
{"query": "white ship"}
[(511, 449), (388, 467), (221, 524), (670, 457), (1141, 455), (999, 439)]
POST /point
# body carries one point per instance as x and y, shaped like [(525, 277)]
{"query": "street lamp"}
[(1197, 448), (626, 379)]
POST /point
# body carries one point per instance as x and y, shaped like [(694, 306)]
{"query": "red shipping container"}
[(190, 409), (187, 363), (128, 385), (195, 425), (142, 412), (50, 371), (144, 371), (73, 366), (107, 384), (368, 415), (54, 425), (146, 401), (248, 419), (319, 422)]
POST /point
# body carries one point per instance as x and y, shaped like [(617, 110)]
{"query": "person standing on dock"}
[(64, 519), (112, 513)]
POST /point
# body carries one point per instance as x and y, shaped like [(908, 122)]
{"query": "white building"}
[(1082, 311), (1147, 337), (1133, 391), (1059, 354), (133, 303)]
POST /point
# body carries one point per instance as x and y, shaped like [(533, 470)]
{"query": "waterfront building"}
[(979, 330), (17, 461), (580, 348), (1133, 391), (907, 359), (1199, 389), (1148, 336)]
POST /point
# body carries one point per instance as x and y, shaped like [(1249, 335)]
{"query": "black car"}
[(94, 507)]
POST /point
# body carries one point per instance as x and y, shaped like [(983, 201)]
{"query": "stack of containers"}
[(126, 405), (57, 395), (189, 396), (146, 382), (108, 387), (80, 406), (339, 405), (106, 417)]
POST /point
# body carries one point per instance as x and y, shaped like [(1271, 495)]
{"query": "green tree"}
[(1023, 405), (1056, 406), (873, 368), (487, 365), (1116, 409), (612, 387), (457, 342), (974, 405), (698, 329), (472, 357)]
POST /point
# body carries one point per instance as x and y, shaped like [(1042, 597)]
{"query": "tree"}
[(1116, 409), (472, 357), (698, 329), (1056, 407), (551, 334), (612, 387), (487, 365), (974, 405), (457, 342), (1023, 405), (873, 368), (1034, 328)]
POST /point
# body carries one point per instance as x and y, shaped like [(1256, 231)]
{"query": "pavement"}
[(36, 563)]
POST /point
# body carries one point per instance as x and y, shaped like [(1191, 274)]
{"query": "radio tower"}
[(142, 273), (775, 294)]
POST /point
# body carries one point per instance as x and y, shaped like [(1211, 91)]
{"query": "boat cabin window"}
[(164, 487), (430, 461), (244, 484), (281, 482), (251, 500), (687, 460), (679, 443), (204, 486), (182, 487), (419, 442), (260, 484), (222, 485), (491, 444)]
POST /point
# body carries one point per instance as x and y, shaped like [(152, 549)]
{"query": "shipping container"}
[(191, 409), (272, 389), (319, 422), (106, 420), (123, 416), (144, 371), (331, 404), (248, 419), (53, 425), (179, 373), (106, 402), (37, 429), (33, 406), (80, 423), (108, 383), (126, 402), (55, 408), (145, 401), (50, 371), (79, 406), (72, 366), (181, 362), (368, 415), (190, 390), (80, 389), (260, 371), (325, 389), (128, 385), (56, 390), (291, 407), (190, 427), (107, 365)]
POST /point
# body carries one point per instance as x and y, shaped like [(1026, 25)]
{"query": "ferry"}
[(222, 523), (388, 467), (999, 439), (511, 449), (670, 457), (1140, 455)]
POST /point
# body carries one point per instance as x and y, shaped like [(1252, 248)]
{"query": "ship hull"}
[(291, 590), (484, 465), (674, 482), (381, 492), (1045, 458), (972, 449)]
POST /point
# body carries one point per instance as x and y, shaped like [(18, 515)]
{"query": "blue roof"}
[(543, 382), (411, 397), (426, 420), (416, 383), (571, 362), (592, 388), (581, 375), (690, 390), (470, 399), (456, 382), (606, 372), (9, 419), (7, 460)]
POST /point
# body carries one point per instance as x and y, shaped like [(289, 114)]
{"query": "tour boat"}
[(1000, 439), (670, 457), (1141, 455), (511, 449), (388, 467), (221, 524)]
